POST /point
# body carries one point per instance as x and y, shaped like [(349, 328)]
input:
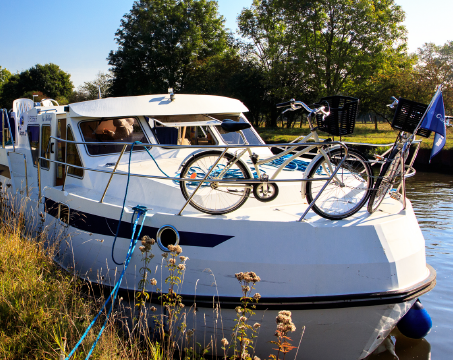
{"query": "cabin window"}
[(5, 136), (33, 139), (122, 130), (61, 152), (184, 135), (45, 146), (73, 157)]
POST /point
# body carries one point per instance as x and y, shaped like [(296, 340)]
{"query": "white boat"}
[(347, 281)]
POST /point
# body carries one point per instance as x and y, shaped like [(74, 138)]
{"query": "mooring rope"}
[(141, 212)]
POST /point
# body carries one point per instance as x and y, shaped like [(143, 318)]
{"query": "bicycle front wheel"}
[(386, 179), (347, 192), (215, 198)]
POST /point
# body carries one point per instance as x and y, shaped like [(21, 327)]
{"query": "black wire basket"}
[(343, 113), (408, 115)]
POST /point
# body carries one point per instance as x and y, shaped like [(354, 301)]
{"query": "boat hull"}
[(347, 285)]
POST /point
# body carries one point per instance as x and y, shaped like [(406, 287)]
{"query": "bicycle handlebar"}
[(295, 105), (394, 103), (285, 104)]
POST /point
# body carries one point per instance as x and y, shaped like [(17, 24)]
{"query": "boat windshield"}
[(236, 139), (125, 130)]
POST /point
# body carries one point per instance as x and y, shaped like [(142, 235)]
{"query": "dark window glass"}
[(184, 135), (45, 147), (126, 130), (236, 139), (73, 157), (33, 139)]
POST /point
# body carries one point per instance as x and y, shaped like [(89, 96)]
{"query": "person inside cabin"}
[(116, 129)]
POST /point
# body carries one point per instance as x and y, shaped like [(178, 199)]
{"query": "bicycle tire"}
[(348, 192), (214, 198), (384, 182)]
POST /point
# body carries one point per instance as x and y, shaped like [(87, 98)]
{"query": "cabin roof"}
[(157, 105)]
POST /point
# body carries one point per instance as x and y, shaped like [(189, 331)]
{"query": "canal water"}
[(431, 195)]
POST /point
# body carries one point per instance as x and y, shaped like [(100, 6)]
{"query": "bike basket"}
[(343, 112), (408, 115)]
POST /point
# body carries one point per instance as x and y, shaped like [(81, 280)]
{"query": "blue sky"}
[(78, 35)]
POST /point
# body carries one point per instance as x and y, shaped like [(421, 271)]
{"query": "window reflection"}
[(127, 130)]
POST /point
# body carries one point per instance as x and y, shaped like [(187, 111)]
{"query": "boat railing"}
[(224, 149)]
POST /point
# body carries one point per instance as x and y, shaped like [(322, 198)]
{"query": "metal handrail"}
[(225, 147), (172, 146)]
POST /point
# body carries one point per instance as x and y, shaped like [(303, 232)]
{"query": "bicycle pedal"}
[(379, 157)]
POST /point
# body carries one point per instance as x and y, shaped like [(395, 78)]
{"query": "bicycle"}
[(408, 118), (344, 195)]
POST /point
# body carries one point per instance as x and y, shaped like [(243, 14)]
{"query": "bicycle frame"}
[(313, 135)]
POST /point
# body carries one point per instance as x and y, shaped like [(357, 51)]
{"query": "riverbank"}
[(43, 309), (366, 133)]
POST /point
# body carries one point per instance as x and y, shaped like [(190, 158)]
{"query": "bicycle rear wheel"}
[(384, 183), (347, 192), (215, 198)]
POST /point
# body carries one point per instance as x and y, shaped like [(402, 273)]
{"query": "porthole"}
[(167, 235)]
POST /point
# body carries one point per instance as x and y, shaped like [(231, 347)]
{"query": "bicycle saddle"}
[(231, 125)]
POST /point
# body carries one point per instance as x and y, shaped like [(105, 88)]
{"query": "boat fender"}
[(417, 323), (167, 235)]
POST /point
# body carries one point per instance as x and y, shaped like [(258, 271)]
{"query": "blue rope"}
[(295, 164), (140, 210), (155, 162), (125, 195), (229, 174), (124, 202)]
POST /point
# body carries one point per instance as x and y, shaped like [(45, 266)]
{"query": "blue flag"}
[(434, 120)]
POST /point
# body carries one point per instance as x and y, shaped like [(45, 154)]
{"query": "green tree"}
[(5, 75), (431, 66), (270, 46), (322, 47), (228, 75), (48, 79), (161, 40), (434, 67), (103, 83)]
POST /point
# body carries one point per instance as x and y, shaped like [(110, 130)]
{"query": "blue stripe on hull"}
[(105, 226)]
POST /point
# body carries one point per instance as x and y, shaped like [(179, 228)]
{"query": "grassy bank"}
[(44, 310), (363, 133), (41, 307)]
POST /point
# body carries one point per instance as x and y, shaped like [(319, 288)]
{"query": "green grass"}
[(363, 133), (43, 309)]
